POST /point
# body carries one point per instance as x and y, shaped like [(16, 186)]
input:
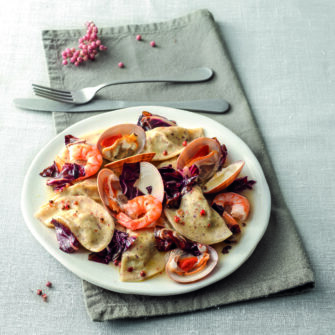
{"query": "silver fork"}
[(86, 94)]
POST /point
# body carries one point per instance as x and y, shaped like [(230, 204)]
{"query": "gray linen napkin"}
[(279, 264)]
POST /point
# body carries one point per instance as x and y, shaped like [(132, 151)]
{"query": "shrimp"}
[(140, 212), (236, 207), (82, 154)]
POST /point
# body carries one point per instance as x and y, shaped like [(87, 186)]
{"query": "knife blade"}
[(217, 106)]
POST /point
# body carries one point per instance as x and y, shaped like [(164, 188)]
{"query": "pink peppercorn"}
[(120, 65), (202, 212), (153, 43), (45, 297), (64, 62), (185, 143), (39, 292), (48, 284), (139, 37)]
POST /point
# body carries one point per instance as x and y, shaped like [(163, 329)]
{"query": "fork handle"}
[(192, 76)]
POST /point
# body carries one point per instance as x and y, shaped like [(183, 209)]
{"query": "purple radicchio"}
[(150, 121), (65, 177), (240, 184), (176, 183), (121, 242), (130, 173), (167, 239), (66, 240)]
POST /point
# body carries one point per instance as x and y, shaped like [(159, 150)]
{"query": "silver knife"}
[(217, 106)]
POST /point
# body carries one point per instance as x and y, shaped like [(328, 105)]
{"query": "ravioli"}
[(167, 142), (87, 187), (89, 221), (142, 260), (206, 229)]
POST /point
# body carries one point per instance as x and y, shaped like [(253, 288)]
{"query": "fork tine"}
[(50, 89), (56, 95), (52, 97)]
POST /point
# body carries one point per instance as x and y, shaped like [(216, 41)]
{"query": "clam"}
[(223, 178), (203, 152), (118, 165), (149, 182), (186, 268), (121, 141)]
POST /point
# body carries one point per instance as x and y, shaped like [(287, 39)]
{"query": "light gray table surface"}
[(284, 54)]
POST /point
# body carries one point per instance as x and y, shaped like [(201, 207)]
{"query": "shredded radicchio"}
[(240, 184), (176, 183), (66, 240), (65, 177), (218, 208), (130, 173), (121, 242), (150, 121), (167, 239), (50, 171)]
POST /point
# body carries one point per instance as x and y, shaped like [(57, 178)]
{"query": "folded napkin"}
[(279, 264)]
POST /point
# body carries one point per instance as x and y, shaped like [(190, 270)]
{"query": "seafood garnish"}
[(185, 268), (121, 141), (204, 153)]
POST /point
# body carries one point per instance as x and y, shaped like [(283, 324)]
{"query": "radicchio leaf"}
[(150, 121), (69, 173), (176, 183), (66, 240), (70, 139), (223, 156), (130, 173), (121, 242), (240, 184), (50, 171), (218, 208), (167, 239)]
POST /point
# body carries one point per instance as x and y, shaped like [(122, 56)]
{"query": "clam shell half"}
[(121, 129), (205, 153)]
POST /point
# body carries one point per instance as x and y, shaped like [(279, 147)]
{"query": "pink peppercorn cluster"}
[(89, 46)]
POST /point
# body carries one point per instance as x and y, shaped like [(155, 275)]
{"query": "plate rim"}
[(66, 262)]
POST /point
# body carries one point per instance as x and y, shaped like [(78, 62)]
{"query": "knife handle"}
[(216, 106)]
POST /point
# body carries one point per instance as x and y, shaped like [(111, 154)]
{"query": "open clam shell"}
[(223, 178), (205, 153), (112, 148), (118, 165), (172, 264)]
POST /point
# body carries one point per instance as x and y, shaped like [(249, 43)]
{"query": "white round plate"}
[(34, 194)]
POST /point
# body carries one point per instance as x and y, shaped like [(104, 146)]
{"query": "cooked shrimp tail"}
[(140, 212)]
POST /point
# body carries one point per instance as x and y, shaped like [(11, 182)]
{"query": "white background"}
[(284, 54)]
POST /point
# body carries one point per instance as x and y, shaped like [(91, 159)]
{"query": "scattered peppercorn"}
[(39, 292), (153, 43), (202, 212), (130, 269), (142, 274), (45, 297), (121, 65), (48, 284), (185, 143), (165, 152), (116, 262), (176, 219), (139, 37)]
